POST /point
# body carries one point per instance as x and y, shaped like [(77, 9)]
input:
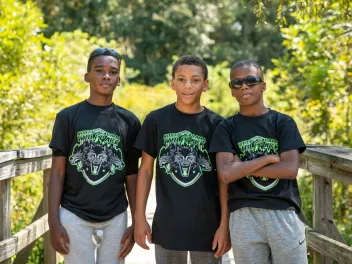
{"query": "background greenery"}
[(304, 46)]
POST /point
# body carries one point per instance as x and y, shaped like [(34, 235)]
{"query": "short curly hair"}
[(247, 63), (190, 60), (102, 52)]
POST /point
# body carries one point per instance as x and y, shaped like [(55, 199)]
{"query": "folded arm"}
[(286, 168), (231, 168)]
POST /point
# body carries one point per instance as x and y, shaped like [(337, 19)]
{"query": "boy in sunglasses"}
[(258, 157), (177, 136), (93, 160)]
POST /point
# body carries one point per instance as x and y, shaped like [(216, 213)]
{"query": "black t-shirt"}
[(98, 143), (253, 137), (188, 209)]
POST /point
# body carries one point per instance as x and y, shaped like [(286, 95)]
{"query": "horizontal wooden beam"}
[(20, 167), (35, 152), (331, 154), (23, 255), (25, 237), (329, 247), (326, 169), (7, 155)]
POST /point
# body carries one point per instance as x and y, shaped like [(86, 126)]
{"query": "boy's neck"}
[(189, 109), (100, 101), (253, 111)]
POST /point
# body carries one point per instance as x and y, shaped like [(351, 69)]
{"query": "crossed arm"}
[(283, 166)]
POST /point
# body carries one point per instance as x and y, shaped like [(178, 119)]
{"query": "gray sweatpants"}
[(81, 244), (261, 236), (167, 256)]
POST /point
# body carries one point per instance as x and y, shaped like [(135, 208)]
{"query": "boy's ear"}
[(86, 77), (264, 86), (206, 85), (173, 84)]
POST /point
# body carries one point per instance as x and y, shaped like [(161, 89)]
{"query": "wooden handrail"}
[(12, 164)]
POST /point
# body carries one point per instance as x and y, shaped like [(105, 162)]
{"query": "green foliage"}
[(151, 32), (311, 8), (314, 79)]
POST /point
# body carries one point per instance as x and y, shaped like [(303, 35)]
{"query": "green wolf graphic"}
[(254, 148), (97, 155), (184, 157)]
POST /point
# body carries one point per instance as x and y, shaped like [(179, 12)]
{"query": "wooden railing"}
[(12, 164), (325, 162)]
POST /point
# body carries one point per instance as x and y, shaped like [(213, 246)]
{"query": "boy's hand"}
[(59, 239), (127, 242), (222, 241), (141, 230)]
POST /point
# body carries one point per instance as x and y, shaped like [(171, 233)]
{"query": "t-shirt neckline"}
[(189, 114), (102, 109), (253, 118)]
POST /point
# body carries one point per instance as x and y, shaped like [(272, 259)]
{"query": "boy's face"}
[(248, 95), (189, 84), (104, 75)]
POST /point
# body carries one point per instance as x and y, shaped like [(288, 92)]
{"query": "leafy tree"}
[(151, 32)]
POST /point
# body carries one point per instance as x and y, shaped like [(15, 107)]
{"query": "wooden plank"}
[(331, 154), (11, 246), (329, 247), (322, 212), (326, 169), (5, 220), (20, 167), (23, 255), (50, 256), (35, 152), (7, 155)]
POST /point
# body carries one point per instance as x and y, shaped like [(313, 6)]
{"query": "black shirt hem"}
[(267, 204)]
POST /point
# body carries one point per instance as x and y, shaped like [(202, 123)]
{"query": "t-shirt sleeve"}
[(289, 137), (60, 140), (222, 140), (133, 154), (146, 139)]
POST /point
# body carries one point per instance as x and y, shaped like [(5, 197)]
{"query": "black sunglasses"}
[(249, 81), (104, 51)]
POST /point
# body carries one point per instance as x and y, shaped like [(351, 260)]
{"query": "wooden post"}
[(50, 256), (322, 213), (5, 220)]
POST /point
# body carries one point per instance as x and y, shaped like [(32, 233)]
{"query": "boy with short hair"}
[(93, 159), (187, 216), (258, 156)]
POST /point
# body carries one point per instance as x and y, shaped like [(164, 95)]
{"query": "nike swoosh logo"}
[(301, 242)]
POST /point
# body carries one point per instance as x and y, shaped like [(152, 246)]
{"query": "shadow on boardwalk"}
[(140, 256)]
